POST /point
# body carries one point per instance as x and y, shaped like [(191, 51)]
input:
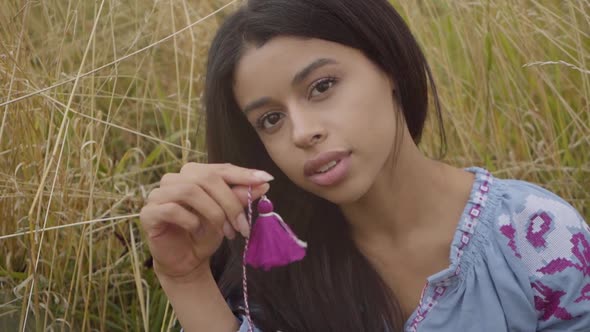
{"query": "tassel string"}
[(244, 275)]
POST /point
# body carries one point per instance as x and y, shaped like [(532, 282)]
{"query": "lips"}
[(313, 165)]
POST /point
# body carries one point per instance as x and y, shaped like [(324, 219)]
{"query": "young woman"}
[(330, 97)]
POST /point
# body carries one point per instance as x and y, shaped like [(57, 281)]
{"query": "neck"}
[(410, 196)]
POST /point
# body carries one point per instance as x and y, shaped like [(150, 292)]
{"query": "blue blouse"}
[(519, 261)]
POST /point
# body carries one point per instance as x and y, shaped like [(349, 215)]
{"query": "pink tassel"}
[(272, 243)]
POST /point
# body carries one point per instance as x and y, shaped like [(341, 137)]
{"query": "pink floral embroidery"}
[(509, 232), (536, 238), (548, 302), (581, 250), (585, 294)]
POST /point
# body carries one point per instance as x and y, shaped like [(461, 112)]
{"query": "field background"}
[(98, 99)]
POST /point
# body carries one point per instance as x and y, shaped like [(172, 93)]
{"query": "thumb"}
[(257, 192)]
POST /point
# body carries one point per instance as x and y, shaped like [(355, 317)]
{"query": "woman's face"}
[(306, 97)]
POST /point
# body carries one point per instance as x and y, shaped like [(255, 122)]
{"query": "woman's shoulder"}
[(549, 241), (539, 221), (525, 216), (522, 196)]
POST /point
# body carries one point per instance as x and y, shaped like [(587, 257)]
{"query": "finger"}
[(257, 192), (154, 217), (237, 175), (171, 179), (174, 179), (194, 197), (229, 231), (218, 189), (242, 192), (231, 174)]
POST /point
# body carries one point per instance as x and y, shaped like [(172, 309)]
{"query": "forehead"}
[(277, 61), (276, 50)]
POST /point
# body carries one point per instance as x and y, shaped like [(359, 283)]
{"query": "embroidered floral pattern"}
[(509, 232), (539, 226), (544, 233), (540, 239), (580, 250), (585, 294), (548, 302)]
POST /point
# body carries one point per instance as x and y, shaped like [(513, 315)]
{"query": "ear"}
[(394, 91), (392, 85)]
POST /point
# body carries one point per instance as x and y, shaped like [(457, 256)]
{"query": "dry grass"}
[(98, 99)]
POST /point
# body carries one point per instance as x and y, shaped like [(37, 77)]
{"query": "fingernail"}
[(262, 175), (243, 225), (266, 187), (228, 231)]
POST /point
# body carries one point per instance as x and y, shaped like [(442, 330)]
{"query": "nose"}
[(307, 129)]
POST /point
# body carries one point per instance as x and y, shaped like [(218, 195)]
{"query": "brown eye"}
[(273, 118), (322, 86), (268, 121)]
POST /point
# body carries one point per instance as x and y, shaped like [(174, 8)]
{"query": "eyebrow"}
[(297, 79)]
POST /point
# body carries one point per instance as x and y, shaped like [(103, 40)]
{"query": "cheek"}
[(371, 116), (285, 159)]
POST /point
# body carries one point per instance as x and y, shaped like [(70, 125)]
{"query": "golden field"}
[(98, 99)]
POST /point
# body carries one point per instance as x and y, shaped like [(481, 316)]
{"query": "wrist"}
[(197, 275), (197, 301)]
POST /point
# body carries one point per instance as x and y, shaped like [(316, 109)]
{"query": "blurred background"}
[(99, 99)]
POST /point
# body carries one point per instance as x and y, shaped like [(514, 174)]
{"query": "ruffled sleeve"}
[(551, 241)]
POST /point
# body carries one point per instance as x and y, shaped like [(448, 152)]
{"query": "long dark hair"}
[(334, 288)]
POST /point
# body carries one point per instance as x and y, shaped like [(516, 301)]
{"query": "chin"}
[(347, 192)]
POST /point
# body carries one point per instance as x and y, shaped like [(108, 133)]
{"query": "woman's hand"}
[(186, 218)]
